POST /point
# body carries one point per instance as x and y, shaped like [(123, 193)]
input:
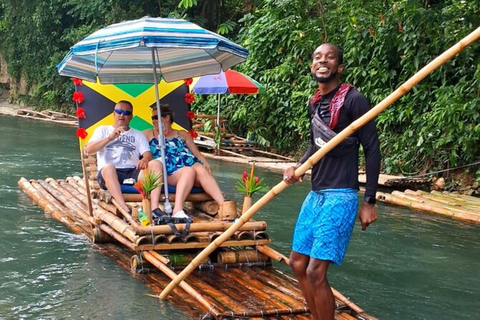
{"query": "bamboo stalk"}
[(169, 273), (192, 197), (51, 209), (72, 206), (126, 215), (241, 256), (73, 182), (116, 235), (199, 245), (273, 254), (70, 199), (208, 207), (426, 198), (87, 185), (243, 235), (43, 188), (354, 126), (116, 223), (202, 227)]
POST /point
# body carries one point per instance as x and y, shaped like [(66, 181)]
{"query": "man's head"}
[(327, 63), (122, 114)]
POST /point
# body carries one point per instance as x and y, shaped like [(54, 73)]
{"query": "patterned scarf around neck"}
[(336, 103)]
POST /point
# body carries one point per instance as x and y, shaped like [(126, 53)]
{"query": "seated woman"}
[(186, 166)]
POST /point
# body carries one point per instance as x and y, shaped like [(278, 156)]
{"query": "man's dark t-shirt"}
[(336, 170)]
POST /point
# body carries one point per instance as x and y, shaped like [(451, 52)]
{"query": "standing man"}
[(327, 216), (119, 149)]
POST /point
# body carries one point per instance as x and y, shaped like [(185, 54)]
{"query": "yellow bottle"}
[(143, 218)]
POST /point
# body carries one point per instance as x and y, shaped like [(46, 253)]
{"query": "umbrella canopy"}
[(227, 82), (122, 52)]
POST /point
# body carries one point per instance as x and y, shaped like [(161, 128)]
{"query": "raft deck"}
[(236, 281)]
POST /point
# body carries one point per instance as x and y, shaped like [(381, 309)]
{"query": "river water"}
[(408, 265)]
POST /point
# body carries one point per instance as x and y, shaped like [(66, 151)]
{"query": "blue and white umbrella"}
[(139, 51), (126, 52)]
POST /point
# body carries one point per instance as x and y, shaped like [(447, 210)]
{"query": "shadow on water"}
[(408, 265)]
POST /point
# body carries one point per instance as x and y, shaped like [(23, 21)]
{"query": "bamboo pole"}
[(354, 126), (87, 185), (273, 254), (46, 205), (201, 227), (116, 223), (46, 196), (153, 258), (75, 208)]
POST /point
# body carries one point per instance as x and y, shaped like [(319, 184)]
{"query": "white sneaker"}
[(180, 214)]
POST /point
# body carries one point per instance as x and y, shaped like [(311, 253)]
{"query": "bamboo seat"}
[(90, 163)]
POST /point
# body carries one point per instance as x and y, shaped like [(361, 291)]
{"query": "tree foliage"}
[(435, 126)]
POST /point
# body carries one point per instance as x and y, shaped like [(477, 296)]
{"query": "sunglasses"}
[(124, 112), (155, 117)]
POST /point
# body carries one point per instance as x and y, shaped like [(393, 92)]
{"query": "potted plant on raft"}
[(149, 182), (248, 185)]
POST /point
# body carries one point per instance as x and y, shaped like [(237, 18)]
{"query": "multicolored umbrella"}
[(226, 82), (139, 51), (130, 52)]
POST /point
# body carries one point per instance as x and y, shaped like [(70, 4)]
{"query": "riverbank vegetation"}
[(434, 127)]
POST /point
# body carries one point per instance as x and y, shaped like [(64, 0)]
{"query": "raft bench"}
[(130, 194)]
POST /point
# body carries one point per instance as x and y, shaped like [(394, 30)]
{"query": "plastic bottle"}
[(143, 218)]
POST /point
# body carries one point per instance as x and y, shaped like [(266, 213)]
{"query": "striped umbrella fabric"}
[(230, 81), (123, 52)]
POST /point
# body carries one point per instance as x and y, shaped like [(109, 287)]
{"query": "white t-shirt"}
[(124, 151)]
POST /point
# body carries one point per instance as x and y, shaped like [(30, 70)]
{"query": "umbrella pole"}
[(161, 137), (218, 134), (218, 112), (345, 133)]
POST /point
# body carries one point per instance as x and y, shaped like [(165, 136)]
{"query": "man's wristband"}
[(370, 200)]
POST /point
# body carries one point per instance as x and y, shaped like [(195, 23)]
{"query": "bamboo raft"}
[(452, 205), (49, 116), (237, 281)]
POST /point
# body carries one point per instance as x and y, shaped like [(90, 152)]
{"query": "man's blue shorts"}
[(325, 224)]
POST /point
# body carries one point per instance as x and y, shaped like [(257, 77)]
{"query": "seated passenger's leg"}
[(183, 179), (207, 181), (109, 175), (156, 167)]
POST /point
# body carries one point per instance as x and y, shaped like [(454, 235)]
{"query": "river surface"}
[(408, 265)]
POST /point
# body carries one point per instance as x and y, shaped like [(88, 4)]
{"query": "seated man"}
[(119, 149)]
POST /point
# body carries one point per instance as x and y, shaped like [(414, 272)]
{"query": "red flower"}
[(78, 97), (190, 115), (77, 81), (188, 81), (189, 98), (193, 133), (80, 113), (257, 179), (82, 133), (245, 175)]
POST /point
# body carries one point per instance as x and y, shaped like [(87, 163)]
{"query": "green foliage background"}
[(435, 126)]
